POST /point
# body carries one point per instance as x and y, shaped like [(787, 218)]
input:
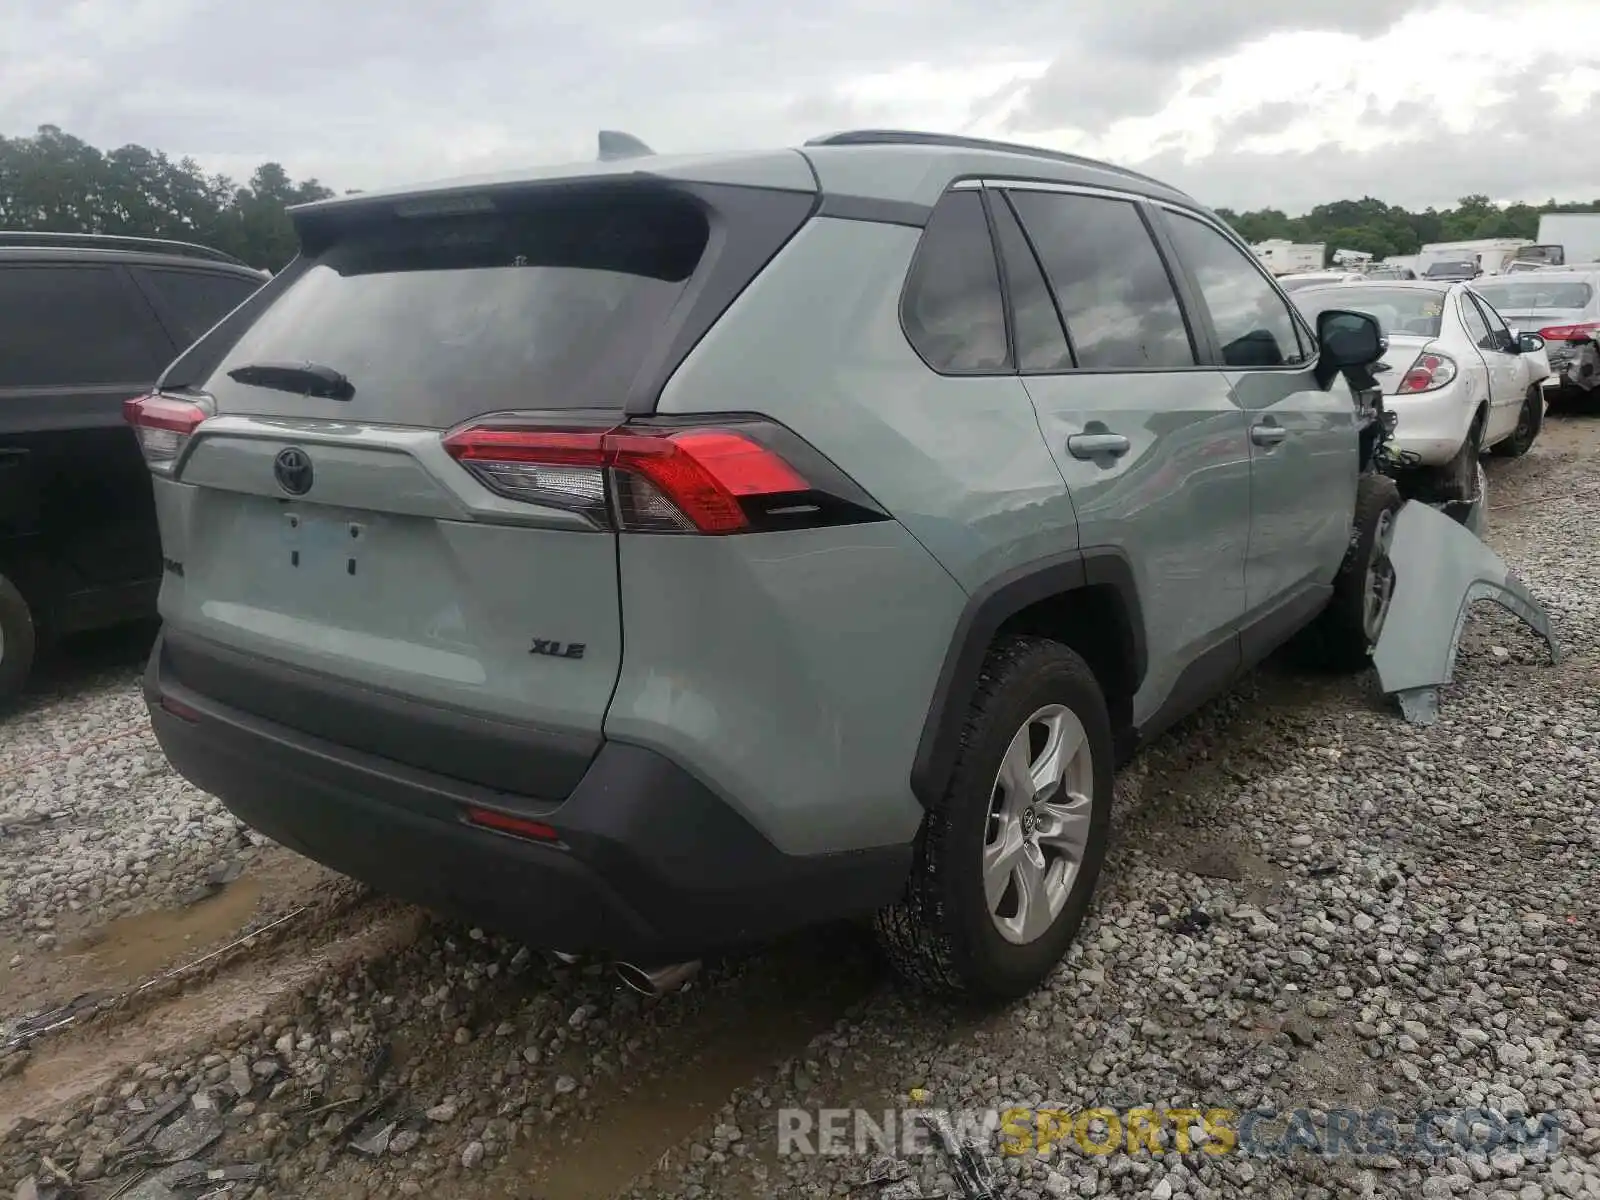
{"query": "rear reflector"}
[(163, 424), (523, 827), (673, 480), (180, 710)]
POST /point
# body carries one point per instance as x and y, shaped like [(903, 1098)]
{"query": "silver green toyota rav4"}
[(649, 557)]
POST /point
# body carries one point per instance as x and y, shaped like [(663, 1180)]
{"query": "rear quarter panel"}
[(795, 671)]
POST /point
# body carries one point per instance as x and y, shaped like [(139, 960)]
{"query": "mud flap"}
[(1441, 570)]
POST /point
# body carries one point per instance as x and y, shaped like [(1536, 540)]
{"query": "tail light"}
[(163, 424), (1571, 333), (1429, 373), (731, 477)]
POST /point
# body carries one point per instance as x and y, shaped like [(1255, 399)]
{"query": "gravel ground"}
[(1311, 905)]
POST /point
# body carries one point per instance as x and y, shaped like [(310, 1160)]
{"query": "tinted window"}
[(1109, 281), (1477, 327), (1036, 327), (1253, 323), (1417, 310), (196, 300), (952, 309), (83, 326), (554, 304), (1499, 333)]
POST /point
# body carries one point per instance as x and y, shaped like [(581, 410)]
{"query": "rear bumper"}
[(650, 865), (1431, 425)]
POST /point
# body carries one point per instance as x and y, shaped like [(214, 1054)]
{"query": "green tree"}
[(56, 182)]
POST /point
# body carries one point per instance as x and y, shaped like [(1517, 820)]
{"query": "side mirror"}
[(1345, 340), (1529, 343)]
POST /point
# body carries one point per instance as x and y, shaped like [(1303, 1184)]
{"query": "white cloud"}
[(1245, 103)]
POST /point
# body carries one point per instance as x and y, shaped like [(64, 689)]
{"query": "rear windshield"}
[(1536, 293), (434, 319), (1291, 284), (1450, 269), (1397, 310)]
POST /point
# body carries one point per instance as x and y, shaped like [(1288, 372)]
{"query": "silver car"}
[(1563, 308)]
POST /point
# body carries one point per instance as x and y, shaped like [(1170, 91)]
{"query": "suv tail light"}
[(163, 424), (1571, 333), (1430, 372), (737, 476)]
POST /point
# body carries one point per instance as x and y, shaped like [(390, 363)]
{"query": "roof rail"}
[(114, 241), (956, 141)]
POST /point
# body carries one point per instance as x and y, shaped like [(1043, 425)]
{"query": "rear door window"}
[(1477, 327), (555, 304), (1109, 280), (952, 310), (77, 326), (1035, 325), (193, 301)]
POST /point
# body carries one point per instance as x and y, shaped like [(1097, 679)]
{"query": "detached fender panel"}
[(1441, 570), (985, 612)]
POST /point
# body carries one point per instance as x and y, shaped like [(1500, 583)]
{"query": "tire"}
[(1457, 479), (1348, 628), (944, 935), (1530, 420), (18, 640)]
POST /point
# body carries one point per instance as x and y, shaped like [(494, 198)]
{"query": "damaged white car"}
[(1563, 308), (1457, 380)]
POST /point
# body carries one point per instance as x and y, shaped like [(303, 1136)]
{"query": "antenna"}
[(615, 145)]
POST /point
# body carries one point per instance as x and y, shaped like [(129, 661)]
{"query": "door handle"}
[(1265, 434), (1092, 445)]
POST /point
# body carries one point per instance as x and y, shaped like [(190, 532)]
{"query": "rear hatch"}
[(337, 570)]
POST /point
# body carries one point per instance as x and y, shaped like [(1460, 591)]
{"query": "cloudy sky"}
[(1245, 103)]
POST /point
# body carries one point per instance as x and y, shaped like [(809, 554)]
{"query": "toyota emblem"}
[(292, 470)]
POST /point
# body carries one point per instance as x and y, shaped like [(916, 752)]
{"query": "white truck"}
[(1490, 255), (1283, 257), (1578, 235)]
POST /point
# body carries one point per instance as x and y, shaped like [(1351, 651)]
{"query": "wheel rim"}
[(1038, 829), (1525, 422), (1380, 577)]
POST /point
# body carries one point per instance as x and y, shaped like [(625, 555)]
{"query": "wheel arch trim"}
[(986, 611)]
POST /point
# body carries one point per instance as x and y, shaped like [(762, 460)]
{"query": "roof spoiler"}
[(615, 145)]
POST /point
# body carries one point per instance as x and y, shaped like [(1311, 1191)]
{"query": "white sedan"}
[(1456, 377)]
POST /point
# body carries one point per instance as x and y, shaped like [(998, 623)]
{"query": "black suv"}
[(86, 322)]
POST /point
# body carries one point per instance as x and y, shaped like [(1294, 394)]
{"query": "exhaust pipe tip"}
[(657, 981)]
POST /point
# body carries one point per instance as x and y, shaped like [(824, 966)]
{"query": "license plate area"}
[(323, 543)]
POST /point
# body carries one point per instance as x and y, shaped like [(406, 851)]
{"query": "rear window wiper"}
[(305, 379)]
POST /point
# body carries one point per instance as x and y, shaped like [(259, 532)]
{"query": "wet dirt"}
[(76, 1063), (117, 955), (795, 993)]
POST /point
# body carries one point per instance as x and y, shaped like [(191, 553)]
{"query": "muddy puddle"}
[(133, 947), (74, 1064)]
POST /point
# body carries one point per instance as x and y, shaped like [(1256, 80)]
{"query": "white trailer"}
[(1283, 257), (1578, 234), (1492, 255)]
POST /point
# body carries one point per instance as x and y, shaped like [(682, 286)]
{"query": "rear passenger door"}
[(190, 302), (1302, 437), (1150, 442), (76, 340)]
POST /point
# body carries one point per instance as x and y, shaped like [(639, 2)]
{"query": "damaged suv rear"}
[(652, 556)]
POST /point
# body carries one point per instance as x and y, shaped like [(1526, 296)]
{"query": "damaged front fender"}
[(1441, 569)]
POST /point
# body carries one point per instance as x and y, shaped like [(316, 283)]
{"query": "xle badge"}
[(557, 649)]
